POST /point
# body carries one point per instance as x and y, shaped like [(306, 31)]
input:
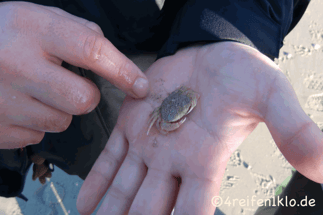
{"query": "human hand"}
[(37, 95), (239, 87)]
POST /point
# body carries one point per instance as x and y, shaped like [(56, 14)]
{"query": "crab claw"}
[(165, 127), (194, 97)]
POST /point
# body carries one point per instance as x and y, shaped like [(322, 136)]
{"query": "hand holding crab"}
[(240, 88)]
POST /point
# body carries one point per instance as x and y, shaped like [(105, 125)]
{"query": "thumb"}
[(296, 135)]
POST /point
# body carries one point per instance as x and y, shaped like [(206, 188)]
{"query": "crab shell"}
[(171, 114)]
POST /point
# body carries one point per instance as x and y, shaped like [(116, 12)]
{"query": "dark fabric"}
[(14, 166), (261, 24), (136, 27), (300, 189), (139, 26)]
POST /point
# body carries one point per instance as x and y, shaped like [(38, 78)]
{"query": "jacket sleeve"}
[(14, 166), (261, 24)]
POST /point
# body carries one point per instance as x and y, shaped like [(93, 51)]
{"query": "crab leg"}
[(153, 118), (158, 126)]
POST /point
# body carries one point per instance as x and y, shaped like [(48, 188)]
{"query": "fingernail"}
[(140, 87)]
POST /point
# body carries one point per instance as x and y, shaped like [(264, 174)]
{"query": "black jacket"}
[(138, 26)]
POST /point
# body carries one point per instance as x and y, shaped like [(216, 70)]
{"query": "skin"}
[(37, 94), (239, 88), (174, 108)]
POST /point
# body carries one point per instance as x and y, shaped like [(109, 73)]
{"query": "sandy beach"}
[(255, 169)]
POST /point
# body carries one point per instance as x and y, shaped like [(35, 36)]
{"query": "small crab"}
[(171, 114)]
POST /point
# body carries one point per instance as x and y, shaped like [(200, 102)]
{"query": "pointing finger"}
[(79, 45)]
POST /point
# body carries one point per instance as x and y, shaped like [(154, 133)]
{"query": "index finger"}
[(80, 46)]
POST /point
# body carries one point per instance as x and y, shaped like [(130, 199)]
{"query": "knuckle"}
[(82, 108), (88, 100), (123, 71), (95, 27), (92, 48), (35, 138), (57, 124), (119, 193), (55, 9), (61, 124), (39, 137), (16, 16), (122, 68), (66, 123), (110, 159)]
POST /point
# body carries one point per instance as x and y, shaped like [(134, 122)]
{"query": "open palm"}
[(239, 87)]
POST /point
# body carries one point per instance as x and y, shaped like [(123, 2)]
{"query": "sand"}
[(255, 169)]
